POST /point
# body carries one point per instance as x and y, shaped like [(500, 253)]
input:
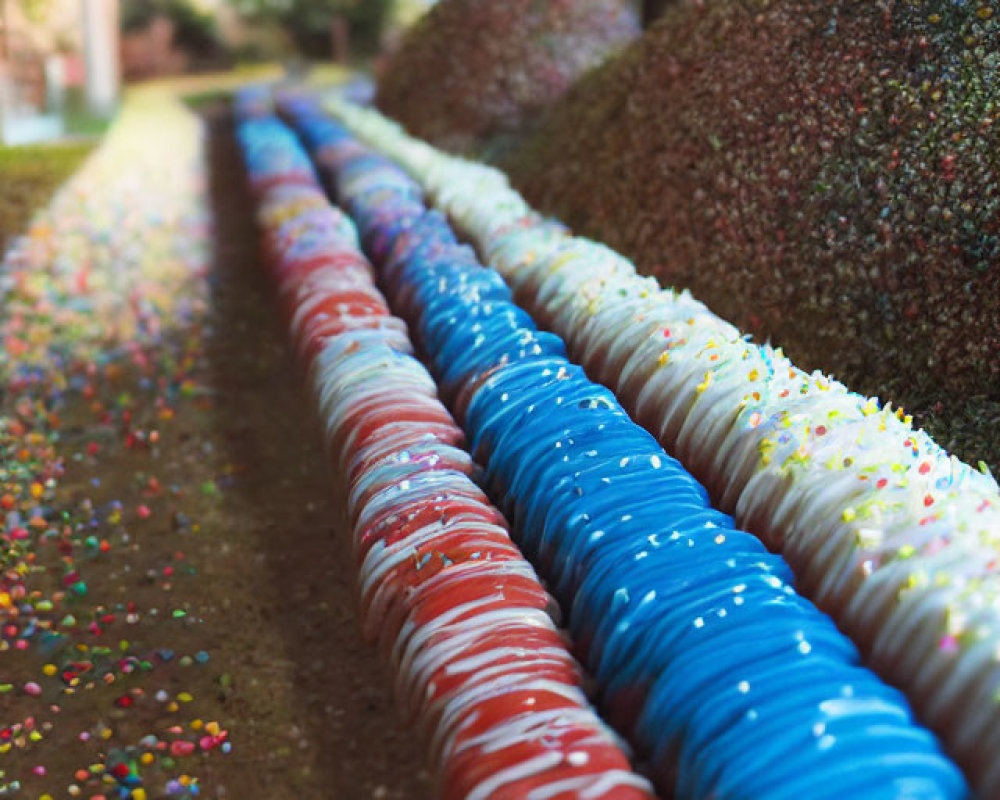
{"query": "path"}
[(215, 591)]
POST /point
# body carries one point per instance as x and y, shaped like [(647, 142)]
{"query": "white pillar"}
[(55, 84), (100, 42), (5, 93)]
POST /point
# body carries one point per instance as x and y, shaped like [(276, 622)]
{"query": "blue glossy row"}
[(731, 683)]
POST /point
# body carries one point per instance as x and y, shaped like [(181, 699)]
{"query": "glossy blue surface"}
[(704, 655)]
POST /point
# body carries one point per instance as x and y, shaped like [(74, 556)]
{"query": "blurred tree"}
[(35, 10), (406, 12), (195, 30), (311, 21)]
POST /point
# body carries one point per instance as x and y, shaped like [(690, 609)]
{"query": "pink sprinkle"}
[(181, 748), (949, 644), (39, 770), (144, 512), (33, 689)]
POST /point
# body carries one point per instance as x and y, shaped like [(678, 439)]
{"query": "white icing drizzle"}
[(493, 636), (896, 539)]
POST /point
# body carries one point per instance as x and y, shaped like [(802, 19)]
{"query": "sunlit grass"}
[(30, 174), (28, 177)]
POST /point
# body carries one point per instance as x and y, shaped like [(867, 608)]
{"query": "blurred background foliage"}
[(309, 22), (217, 33), (195, 27)]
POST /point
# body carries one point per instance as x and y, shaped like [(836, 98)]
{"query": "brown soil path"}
[(314, 708), (228, 545)]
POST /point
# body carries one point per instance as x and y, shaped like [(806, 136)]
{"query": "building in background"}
[(55, 55)]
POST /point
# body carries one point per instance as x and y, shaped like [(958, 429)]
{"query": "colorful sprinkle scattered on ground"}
[(158, 636)]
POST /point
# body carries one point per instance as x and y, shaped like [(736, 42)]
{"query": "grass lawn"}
[(30, 174), (28, 177)]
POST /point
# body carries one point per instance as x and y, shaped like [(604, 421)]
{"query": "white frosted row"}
[(896, 539)]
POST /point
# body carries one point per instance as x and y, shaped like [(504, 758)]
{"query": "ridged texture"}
[(703, 654), (479, 665), (891, 535)]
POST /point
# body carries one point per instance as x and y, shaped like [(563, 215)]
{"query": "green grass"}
[(28, 177), (198, 100), (83, 124)]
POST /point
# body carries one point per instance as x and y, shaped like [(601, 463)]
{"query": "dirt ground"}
[(315, 709), (229, 543)]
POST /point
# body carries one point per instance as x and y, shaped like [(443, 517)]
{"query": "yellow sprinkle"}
[(172, 706), (184, 697), (138, 793), (50, 669), (107, 733), (196, 724), (848, 514), (147, 758), (212, 728)]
